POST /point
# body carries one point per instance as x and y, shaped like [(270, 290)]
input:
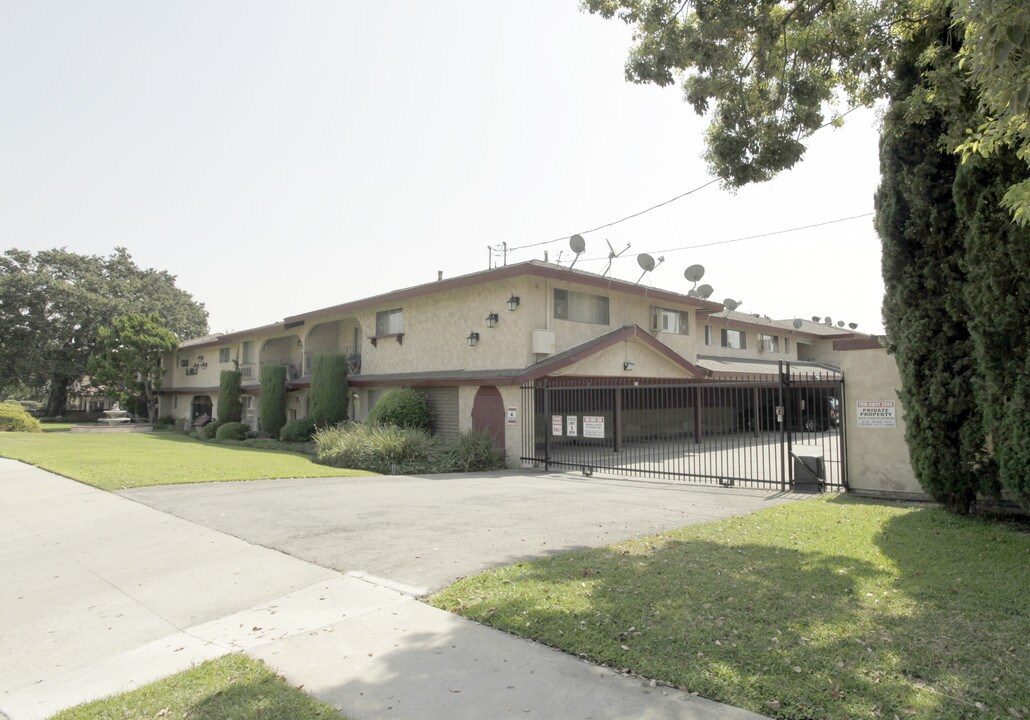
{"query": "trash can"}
[(809, 471)]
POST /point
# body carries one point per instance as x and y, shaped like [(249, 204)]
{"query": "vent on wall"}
[(543, 342)]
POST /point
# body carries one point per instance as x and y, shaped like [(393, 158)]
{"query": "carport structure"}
[(774, 430)]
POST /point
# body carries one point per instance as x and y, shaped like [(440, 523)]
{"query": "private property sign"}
[(877, 414)]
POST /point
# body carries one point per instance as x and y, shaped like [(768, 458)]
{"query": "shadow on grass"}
[(266, 697), (825, 634)]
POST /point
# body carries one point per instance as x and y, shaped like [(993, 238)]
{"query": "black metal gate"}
[(783, 430)]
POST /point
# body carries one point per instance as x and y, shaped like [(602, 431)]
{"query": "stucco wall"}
[(878, 461)]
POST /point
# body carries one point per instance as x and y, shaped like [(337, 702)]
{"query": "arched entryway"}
[(488, 414)]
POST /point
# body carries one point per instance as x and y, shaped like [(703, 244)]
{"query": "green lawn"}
[(830, 608), (57, 426), (114, 462), (233, 687)]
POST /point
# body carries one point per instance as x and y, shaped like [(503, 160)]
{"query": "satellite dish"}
[(840, 323), (578, 245), (798, 323), (705, 291), (853, 326), (694, 273), (646, 262), (693, 293), (731, 304), (828, 320), (815, 318)]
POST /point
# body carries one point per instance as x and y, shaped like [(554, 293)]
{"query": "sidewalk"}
[(103, 595)]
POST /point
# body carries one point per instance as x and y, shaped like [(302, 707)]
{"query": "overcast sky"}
[(284, 156)]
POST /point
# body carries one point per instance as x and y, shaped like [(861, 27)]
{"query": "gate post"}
[(547, 428)]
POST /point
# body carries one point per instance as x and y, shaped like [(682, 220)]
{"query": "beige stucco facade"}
[(878, 459)]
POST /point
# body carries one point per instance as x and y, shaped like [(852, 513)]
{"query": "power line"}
[(748, 237), (616, 222)]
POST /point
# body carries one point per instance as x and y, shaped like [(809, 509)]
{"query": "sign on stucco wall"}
[(513, 415), (593, 426), (877, 414)]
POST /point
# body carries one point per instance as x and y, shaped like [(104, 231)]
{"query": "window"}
[(248, 352), (580, 307), (786, 346), (670, 321), (735, 339), (768, 343), (223, 355), (708, 335), (390, 322)]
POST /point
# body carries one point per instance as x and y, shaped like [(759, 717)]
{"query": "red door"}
[(488, 414)]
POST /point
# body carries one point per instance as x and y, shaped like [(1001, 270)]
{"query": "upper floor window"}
[(768, 343), (670, 321), (786, 346), (223, 355), (735, 339), (390, 322), (580, 307), (708, 335)]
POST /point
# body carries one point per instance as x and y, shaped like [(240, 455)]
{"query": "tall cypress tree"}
[(329, 393), (273, 399), (998, 294), (229, 389), (925, 310)]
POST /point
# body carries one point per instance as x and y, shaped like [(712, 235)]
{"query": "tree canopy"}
[(127, 359), (769, 74), (53, 302)]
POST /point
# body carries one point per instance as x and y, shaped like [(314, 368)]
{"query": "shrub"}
[(31, 406), (273, 399), (167, 421), (329, 394), (209, 431), (230, 409), (297, 430), (379, 448), (14, 418), (404, 407), (471, 452), (232, 431)]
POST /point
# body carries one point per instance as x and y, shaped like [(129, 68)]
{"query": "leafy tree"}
[(127, 358), (230, 383), (329, 391), (273, 399), (53, 302), (769, 73)]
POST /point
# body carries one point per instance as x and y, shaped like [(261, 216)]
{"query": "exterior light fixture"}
[(491, 319), (473, 338), (513, 302), (628, 365)]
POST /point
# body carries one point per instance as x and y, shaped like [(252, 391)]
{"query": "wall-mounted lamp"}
[(491, 319), (473, 338), (628, 365), (513, 302)]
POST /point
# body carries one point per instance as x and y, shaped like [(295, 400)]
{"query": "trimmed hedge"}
[(230, 384), (14, 418), (298, 430), (232, 431), (329, 393), (406, 451), (273, 399), (208, 431), (404, 407)]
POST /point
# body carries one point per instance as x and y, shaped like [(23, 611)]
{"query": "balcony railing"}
[(353, 361)]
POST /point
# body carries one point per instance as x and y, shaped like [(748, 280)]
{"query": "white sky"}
[(279, 157)]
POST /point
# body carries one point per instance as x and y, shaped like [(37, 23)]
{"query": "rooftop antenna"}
[(731, 304), (853, 326), (693, 274), (798, 322), (578, 245), (612, 255), (828, 320), (647, 264), (705, 291), (840, 323)]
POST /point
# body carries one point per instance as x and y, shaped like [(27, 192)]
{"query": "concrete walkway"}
[(102, 594)]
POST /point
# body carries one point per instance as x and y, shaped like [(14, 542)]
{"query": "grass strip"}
[(831, 608), (233, 687), (119, 461)]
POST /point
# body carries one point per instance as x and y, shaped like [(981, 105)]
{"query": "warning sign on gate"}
[(570, 426), (593, 426), (877, 414), (556, 425)]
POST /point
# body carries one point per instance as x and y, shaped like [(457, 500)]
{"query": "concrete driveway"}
[(427, 531)]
